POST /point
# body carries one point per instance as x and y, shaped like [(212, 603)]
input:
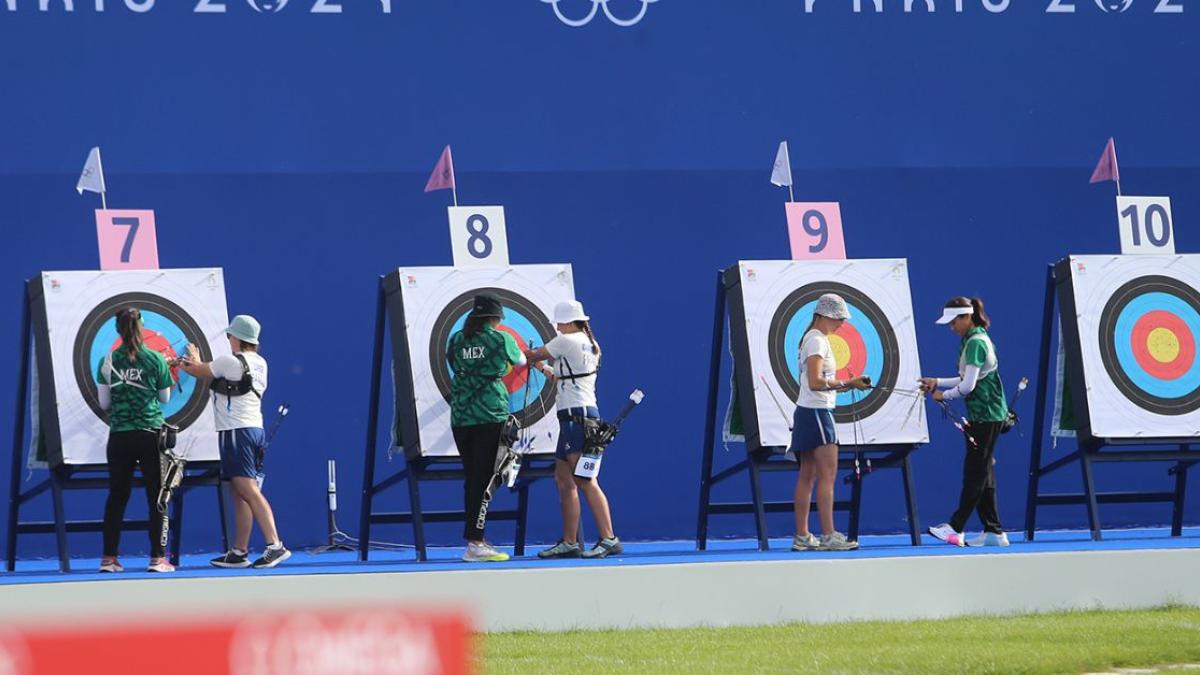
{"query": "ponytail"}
[(978, 316), (586, 327), (129, 327)]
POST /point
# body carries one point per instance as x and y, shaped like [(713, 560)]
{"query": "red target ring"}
[(515, 380), (1163, 345), (857, 362)]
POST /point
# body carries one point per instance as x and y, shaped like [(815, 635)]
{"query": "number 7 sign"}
[(127, 239)]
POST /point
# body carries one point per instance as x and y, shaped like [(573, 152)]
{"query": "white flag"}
[(92, 178), (782, 173)]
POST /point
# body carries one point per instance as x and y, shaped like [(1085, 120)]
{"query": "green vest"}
[(477, 394), (134, 386), (986, 403)]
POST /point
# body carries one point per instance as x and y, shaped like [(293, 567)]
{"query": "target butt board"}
[(74, 327), (1131, 332), (427, 305)]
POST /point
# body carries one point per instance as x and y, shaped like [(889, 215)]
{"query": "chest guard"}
[(241, 387)]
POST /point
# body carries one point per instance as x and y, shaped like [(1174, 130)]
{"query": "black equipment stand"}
[(1097, 451), (425, 469), (762, 460), (80, 477)]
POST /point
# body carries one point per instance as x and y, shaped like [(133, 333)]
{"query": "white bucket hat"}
[(832, 306), (951, 313), (569, 312)]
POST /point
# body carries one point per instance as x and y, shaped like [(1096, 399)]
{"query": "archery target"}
[(178, 307), (1139, 329), (436, 301), (879, 341)]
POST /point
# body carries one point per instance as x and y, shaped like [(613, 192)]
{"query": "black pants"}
[(127, 449), (979, 479), (477, 445)]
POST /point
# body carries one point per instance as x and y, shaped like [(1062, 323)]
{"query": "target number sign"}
[(478, 236), (815, 230), (1147, 225), (127, 238)]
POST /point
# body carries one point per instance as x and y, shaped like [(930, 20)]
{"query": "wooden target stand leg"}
[(761, 460), (1097, 451), (424, 469), (65, 478)]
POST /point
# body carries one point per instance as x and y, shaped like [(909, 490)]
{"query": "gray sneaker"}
[(806, 543), (836, 541), (562, 550), (605, 548)]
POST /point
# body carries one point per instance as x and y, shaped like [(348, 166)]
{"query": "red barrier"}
[(272, 642)]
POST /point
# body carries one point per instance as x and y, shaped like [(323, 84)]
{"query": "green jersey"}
[(477, 394), (986, 403), (133, 386)]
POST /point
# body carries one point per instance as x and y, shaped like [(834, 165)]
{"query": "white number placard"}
[(588, 466), (478, 236), (1146, 225)]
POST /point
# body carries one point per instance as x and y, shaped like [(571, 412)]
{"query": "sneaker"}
[(483, 552), (836, 541), (605, 548), (160, 565), (989, 539), (272, 557), (231, 559), (948, 534), (808, 542), (111, 565), (562, 550)]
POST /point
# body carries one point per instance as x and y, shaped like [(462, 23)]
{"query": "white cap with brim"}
[(245, 328), (951, 313), (832, 306), (569, 312)]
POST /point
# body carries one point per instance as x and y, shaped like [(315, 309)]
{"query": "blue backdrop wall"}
[(290, 147)]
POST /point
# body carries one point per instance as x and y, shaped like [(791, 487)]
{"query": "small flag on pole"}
[(92, 178), (1106, 168), (443, 174), (781, 174)]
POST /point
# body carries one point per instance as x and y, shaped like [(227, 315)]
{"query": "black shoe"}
[(272, 557), (230, 560)]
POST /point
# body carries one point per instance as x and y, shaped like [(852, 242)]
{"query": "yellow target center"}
[(1163, 345), (841, 351)]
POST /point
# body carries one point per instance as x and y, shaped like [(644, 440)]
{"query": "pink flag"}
[(1106, 168), (443, 174)]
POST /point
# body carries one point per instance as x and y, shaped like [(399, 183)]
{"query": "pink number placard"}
[(815, 230), (127, 239)]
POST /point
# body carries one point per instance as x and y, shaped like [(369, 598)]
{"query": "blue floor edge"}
[(636, 553)]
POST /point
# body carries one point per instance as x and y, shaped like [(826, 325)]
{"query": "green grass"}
[(1069, 642)]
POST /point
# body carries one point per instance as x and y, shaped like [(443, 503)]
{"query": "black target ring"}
[(1109, 340), (146, 302), (512, 301), (779, 352)]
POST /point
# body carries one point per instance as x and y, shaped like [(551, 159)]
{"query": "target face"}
[(526, 324), (879, 341), (433, 303), (1138, 320), (864, 345), (79, 330), (1148, 334)]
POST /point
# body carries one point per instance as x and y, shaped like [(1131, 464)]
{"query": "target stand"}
[(64, 477), (855, 462), (419, 330), (1128, 406)]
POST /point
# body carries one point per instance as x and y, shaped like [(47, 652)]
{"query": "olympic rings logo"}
[(597, 5)]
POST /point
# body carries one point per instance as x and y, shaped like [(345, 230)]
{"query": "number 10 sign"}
[(1146, 225), (478, 236), (127, 238)]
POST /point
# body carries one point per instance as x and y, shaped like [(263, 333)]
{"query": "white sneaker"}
[(483, 552), (989, 539), (948, 534), (836, 541), (808, 542)]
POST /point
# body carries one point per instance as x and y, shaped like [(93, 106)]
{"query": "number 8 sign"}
[(815, 230), (128, 240), (478, 236)]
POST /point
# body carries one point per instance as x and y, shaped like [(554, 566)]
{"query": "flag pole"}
[(791, 196), (454, 191), (100, 166), (1116, 169)]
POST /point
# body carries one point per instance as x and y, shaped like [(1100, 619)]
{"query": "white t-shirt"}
[(239, 412), (573, 355), (815, 343)]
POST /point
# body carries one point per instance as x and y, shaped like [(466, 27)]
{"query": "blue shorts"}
[(812, 428), (570, 433), (242, 452)]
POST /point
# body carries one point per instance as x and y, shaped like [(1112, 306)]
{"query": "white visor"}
[(950, 313)]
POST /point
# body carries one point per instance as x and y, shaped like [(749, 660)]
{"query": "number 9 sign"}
[(478, 236), (815, 230)]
